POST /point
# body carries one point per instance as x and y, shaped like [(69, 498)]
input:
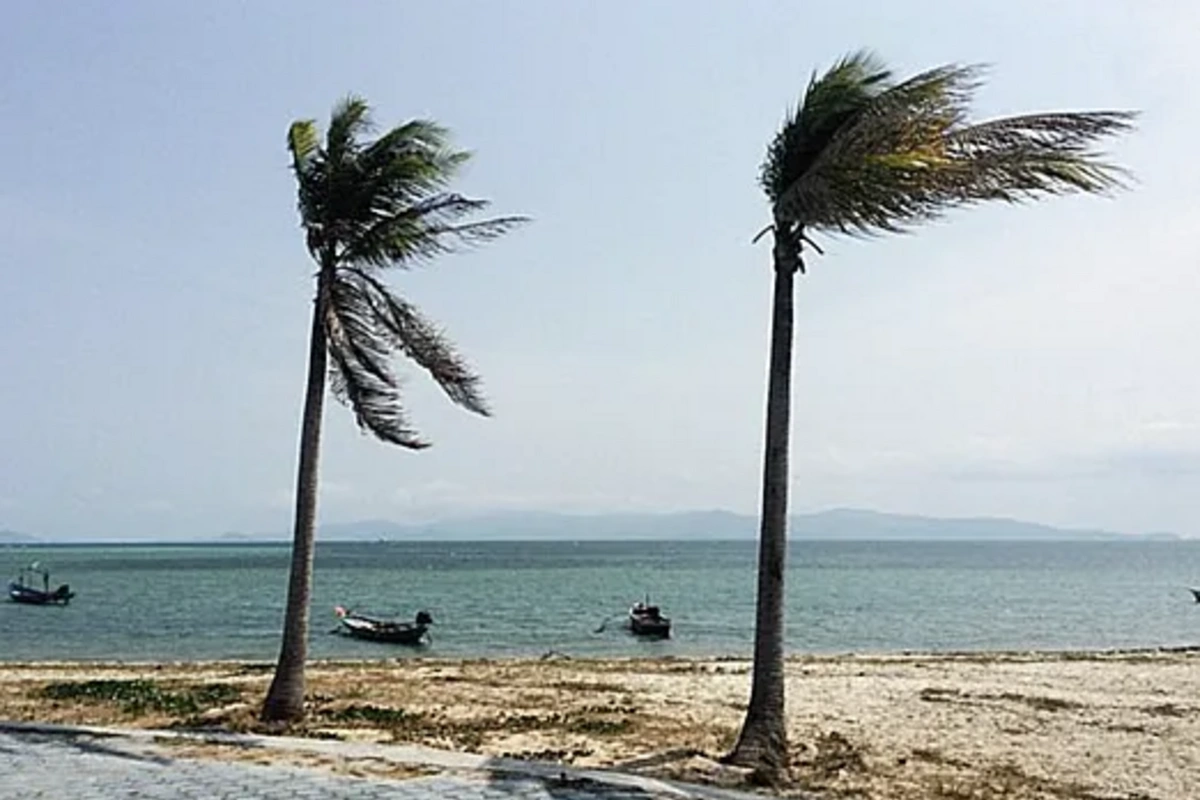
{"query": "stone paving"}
[(81, 764)]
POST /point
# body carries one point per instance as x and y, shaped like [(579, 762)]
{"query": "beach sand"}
[(1084, 726)]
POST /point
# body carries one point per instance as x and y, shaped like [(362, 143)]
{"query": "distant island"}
[(837, 524), (843, 524), (16, 537)]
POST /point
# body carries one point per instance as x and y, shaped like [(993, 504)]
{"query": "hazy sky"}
[(1036, 362)]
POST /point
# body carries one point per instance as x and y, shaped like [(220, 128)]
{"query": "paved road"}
[(92, 766)]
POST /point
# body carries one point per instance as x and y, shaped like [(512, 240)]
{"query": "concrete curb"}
[(406, 755)]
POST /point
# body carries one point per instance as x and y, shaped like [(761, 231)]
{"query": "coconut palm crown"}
[(366, 206), (865, 154)]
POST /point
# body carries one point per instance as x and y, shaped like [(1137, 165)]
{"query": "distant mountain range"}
[(15, 537), (837, 524)]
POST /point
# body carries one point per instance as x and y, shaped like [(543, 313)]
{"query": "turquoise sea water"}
[(186, 602)]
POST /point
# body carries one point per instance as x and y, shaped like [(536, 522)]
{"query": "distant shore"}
[(1011, 725), (838, 524)]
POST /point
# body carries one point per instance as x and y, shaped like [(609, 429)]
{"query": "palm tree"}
[(863, 155), (365, 206)]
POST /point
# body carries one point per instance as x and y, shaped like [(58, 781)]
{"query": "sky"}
[(1035, 362)]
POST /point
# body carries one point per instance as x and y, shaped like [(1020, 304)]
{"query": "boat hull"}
[(405, 633), (36, 597), (646, 620), (650, 630)]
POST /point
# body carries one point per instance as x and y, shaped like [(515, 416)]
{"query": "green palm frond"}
[(903, 153), (362, 366), (417, 155), (1018, 157), (408, 331), (368, 205), (303, 142), (351, 120), (828, 103)]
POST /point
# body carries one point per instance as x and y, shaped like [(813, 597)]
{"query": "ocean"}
[(195, 602)]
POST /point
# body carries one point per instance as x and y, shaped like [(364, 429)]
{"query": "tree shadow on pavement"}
[(558, 782), (564, 787), (92, 744)]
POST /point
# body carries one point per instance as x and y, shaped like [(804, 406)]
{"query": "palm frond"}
[(405, 329), (1020, 157), (906, 154), (1076, 130), (303, 142), (308, 165), (388, 205), (828, 103), (350, 120), (410, 163), (421, 233), (416, 150), (366, 327), (468, 234), (363, 376), (867, 174)]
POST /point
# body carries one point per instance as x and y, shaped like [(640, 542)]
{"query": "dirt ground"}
[(1082, 726)]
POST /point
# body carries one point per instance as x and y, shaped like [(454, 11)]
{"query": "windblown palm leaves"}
[(365, 206), (864, 154)]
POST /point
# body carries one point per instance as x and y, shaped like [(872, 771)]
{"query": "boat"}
[(373, 629), (647, 620), (1195, 594), (24, 590)]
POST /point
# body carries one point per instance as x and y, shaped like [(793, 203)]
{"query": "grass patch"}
[(471, 733), (141, 696), (933, 694), (254, 669), (550, 754), (377, 716), (597, 726), (585, 686)]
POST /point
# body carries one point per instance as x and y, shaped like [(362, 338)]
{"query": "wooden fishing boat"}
[(647, 620), (373, 629), (24, 588)]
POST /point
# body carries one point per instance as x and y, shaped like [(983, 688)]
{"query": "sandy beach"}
[(1086, 726)]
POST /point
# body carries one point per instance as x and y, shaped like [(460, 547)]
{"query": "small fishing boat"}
[(373, 629), (1195, 594), (25, 590), (647, 620)]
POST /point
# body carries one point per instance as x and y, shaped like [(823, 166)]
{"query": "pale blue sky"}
[(1035, 362)]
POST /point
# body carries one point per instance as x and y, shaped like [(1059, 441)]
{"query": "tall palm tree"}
[(862, 155), (366, 205)]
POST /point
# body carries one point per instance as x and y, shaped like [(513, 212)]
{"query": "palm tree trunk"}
[(763, 740), (285, 699)]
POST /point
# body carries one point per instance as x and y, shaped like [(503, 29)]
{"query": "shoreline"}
[(989, 724), (416, 657)]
